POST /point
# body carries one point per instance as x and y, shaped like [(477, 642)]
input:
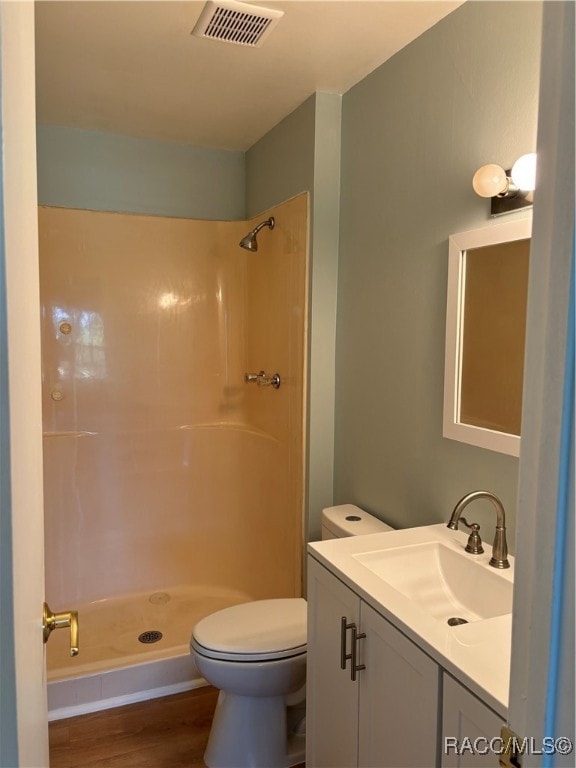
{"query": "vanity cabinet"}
[(387, 717), (471, 723)]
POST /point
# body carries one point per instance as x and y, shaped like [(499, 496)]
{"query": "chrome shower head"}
[(249, 242)]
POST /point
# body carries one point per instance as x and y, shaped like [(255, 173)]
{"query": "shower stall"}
[(173, 461)]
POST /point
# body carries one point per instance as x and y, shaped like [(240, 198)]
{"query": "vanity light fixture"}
[(509, 190)]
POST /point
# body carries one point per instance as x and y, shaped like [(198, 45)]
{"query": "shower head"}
[(249, 242)]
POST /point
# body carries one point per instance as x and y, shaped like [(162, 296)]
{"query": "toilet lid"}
[(256, 631)]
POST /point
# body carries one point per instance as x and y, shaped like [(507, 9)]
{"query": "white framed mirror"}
[(485, 333)]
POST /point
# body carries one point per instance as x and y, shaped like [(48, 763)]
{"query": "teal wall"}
[(110, 172), (414, 131), (302, 153)]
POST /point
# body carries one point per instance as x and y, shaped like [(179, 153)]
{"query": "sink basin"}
[(443, 582)]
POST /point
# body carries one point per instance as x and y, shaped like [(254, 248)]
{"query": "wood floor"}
[(171, 732)]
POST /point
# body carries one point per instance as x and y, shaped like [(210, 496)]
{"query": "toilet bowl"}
[(255, 653)]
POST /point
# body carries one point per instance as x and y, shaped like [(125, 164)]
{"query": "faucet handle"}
[(474, 545)]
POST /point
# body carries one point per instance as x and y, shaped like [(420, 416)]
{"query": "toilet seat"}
[(210, 653), (263, 630)]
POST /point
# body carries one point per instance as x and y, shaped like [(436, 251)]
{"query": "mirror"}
[(485, 332)]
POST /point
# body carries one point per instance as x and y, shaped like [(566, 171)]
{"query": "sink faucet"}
[(499, 557)]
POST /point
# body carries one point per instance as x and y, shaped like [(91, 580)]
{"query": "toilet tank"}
[(349, 520)]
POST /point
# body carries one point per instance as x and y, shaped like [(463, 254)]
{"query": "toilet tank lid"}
[(258, 627), (350, 520)]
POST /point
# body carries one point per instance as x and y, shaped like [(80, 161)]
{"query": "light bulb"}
[(490, 180), (524, 172)]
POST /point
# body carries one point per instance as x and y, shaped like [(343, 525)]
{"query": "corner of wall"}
[(302, 153)]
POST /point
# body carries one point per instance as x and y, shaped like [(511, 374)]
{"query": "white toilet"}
[(255, 653)]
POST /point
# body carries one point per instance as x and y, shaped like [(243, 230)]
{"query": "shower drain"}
[(455, 621), (151, 636)]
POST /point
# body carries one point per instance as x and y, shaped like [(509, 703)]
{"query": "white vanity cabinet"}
[(468, 728), (387, 717)]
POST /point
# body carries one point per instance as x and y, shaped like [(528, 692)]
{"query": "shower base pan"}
[(132, 648)]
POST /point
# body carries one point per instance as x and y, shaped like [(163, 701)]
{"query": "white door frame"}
[(24, 501)]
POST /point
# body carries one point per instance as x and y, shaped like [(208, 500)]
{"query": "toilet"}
[(255, 653)]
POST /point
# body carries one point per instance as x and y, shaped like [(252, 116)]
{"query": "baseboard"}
[(121, 701), (118, 687)]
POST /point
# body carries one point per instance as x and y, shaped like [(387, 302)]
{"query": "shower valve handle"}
[(262, 379)]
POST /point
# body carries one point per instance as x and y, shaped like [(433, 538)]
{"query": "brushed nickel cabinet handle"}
[(344, 627), (353, 666)]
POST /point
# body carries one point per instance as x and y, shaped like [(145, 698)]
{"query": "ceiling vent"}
[(234, 22)]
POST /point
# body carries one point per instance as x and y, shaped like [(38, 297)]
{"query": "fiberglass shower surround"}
[(160, 462)]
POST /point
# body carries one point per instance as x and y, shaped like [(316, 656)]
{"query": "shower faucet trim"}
[(262, 379)]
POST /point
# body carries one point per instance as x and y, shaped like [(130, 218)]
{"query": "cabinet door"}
[(468, 725), (332, 697), (398, 698)]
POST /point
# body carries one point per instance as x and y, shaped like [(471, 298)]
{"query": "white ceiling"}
[(134, 68)]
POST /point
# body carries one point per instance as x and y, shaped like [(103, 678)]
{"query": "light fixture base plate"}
[(510, 203), (501, 205)]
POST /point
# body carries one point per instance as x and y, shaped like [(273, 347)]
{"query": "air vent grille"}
[(235, 22)]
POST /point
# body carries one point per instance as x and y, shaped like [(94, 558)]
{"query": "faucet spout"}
[(499, 557)]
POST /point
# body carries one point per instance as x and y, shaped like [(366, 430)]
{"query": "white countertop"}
[(477, 654)]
